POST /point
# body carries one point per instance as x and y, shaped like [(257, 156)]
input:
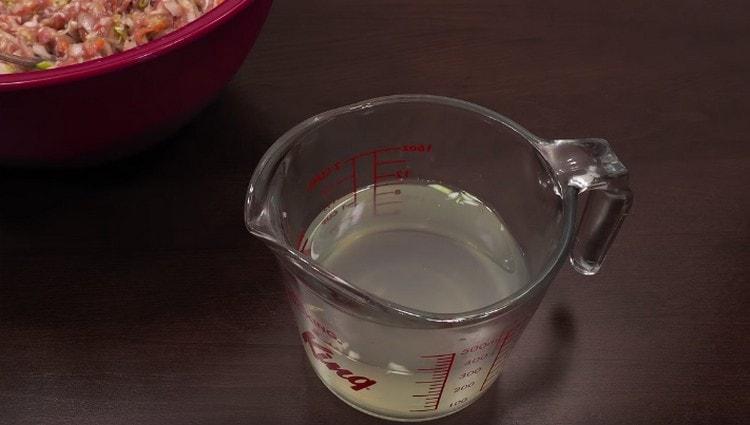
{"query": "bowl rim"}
[(155, 48)]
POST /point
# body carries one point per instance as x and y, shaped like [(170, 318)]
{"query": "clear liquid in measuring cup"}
[(422, 245), (426, 246)]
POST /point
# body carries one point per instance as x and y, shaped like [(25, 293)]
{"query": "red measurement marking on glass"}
[(375, 183), (338, 165), (497, 363), (379, 179), (354, 180), (385, 172), (301, 242), (435, 384), (377, 163)]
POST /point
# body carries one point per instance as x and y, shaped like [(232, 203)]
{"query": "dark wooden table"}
[(132, 294)]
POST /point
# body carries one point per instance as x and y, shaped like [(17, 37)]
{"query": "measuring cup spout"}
[(257, 219), (258, 226), (258, 214)]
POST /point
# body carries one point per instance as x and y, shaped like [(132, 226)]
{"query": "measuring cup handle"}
[(590, 165)]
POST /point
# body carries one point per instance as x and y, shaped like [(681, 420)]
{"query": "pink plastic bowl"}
[(120, 104)]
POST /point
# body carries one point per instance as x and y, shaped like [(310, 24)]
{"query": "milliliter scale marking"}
[(497, 363), (433, 385), (380, 177), (435, 382)]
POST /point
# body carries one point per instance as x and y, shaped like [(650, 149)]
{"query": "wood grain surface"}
[(132, 294)]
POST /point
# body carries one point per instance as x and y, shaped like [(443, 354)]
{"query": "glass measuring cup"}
[(390, 359)]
